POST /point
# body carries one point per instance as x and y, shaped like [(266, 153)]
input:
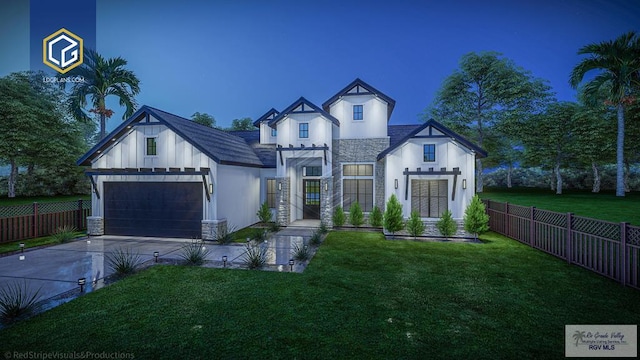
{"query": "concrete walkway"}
[(56, 269)]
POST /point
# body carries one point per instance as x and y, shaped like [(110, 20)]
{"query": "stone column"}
[(95, 225), (211, 229), (326, 201), (283, 195)]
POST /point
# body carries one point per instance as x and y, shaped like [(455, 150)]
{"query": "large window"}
[(303, 130), (357, 186), (152, 149), (429, 197), (429, 153), (271, 193), (357, 112)]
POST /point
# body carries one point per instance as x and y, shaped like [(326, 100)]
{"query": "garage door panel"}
[(169, 209)]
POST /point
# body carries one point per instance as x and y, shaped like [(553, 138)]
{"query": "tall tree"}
[(102, 78), (242, 124), (618, 63), (487, 89), (204, 119)]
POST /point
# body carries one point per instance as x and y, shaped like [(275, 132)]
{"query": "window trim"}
[(424, 153), (146, 145), (300, 130), (360, 113), (371, 177)]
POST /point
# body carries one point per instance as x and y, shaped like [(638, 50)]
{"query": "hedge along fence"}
[(609, 249), (19, 222)]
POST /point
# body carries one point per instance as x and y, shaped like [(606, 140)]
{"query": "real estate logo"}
[(601, 340), (62, 51)]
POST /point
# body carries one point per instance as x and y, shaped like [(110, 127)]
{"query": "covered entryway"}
[(311, 199), (163, 209)]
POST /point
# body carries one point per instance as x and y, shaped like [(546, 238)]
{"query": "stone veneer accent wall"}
[(95, 225), (282, 201), (211, 228), (326, 201), (359, 150)]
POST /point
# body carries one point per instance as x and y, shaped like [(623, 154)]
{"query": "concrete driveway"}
[(56, 269)]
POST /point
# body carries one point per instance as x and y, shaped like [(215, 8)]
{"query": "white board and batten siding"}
[(374, 121)]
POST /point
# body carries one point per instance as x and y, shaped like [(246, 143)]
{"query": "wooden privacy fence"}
[(609, 249), (28, 221)]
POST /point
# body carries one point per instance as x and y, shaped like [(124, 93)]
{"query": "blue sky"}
[(239, 58)]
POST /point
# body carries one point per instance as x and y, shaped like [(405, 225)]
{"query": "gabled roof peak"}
[(303, 105), (359, 87), (268, 116)]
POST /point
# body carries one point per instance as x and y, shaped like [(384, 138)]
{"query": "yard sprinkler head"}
[(81, 282), (21, 247), (224, 261), (291, 262), (155, 256)]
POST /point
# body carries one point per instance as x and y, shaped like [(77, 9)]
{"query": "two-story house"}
[(159, 174)]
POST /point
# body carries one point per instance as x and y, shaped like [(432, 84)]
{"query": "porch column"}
[(283, 200)]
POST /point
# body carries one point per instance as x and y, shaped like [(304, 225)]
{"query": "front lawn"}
[(362, 297), (603, 206), (29, 243)]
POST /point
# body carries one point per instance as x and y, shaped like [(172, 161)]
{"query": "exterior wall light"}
[(210, 188), (326, 186), (395, 183), (280, 186), (464, 183)]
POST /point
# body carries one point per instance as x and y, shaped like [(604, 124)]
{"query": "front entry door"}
[(311, 199)]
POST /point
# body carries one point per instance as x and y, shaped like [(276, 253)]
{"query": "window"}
[(312, 171), (357, 186), (271, 193), (357, 112), (303, 130), (152, 149), (274, 132), (429, 197), (429, 153)]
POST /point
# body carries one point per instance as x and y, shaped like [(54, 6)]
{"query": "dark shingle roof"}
[(266, 116), (221, 146), (266, 152), (398, 132)]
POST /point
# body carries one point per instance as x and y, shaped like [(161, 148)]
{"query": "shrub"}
[(476, 220), (338, 216), (260, 235), (415, 226), (123, 261), (17, 301), (274, 227), (393, 215), (64, 233), (301, 252), (225, 234), (264, 213), (356, 218), (446, 225), (323, 229), (316, 238), (254, 257), (375, 218), (194, 253)]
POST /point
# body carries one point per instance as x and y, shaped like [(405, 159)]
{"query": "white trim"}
[(435, 153), (358, 177)]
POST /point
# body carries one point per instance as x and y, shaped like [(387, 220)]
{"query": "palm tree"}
[(102, 78), (579, 336), (619, 64)]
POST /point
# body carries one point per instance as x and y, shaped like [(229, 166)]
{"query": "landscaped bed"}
[(361, 297)]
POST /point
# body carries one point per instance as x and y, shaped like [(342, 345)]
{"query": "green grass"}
[(29, 243), (5, 201), (362, 297), (241, 235), (604, 206)]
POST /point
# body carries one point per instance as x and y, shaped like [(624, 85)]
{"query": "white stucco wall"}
[(265, 134), (238, 195), (373, 124)]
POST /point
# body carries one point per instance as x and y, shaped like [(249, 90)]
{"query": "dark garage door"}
[(164, 209)]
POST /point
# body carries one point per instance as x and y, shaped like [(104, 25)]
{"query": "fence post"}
[(567, 247), (35, 220), (531, 225), (79, 219), (506, 227), (623, 253)]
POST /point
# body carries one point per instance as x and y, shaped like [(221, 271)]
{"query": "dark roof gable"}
[(362, 88), (269, 115), (304, 104), (219, 145)]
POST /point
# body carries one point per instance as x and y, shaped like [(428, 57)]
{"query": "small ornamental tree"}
[(393, 221), (264, 213), (375, 218), (476, 220), (338, 217), (415, 226), (356, 217), (446, 225)]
